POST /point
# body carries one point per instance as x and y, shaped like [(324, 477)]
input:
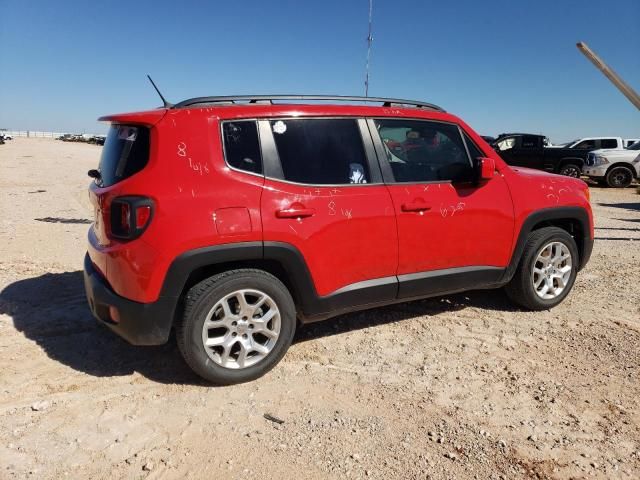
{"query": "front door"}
[(452, 233)]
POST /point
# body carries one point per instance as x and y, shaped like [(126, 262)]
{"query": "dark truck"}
[(533, 151)]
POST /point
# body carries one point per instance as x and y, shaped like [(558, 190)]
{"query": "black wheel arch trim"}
[(579, 214)]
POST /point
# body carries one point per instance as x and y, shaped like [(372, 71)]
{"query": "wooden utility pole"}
[(613, 77)]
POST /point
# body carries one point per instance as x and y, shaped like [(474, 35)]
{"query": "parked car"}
[(6, 137), (528, 150), (614, 167), (96, 139), (238, 219)]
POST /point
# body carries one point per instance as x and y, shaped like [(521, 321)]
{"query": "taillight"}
[(130, 216)]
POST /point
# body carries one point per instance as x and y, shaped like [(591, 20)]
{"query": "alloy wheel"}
[(241, 329), (551, 270)]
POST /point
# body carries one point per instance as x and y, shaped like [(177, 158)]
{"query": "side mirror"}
[(487, 168)]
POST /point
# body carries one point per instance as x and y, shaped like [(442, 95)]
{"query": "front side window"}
[(321, 151), (474, 151), (423, 151), (242, 145), (587, 145)]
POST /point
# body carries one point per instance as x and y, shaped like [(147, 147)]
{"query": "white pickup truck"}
[(596, 143), (615, 167)]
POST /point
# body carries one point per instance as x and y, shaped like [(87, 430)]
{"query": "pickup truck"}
[(614, 167), (596, 143), (532, 151)]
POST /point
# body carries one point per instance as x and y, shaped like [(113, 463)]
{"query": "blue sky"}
[(500, 65)]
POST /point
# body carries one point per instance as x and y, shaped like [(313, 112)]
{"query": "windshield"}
[(635, 146)]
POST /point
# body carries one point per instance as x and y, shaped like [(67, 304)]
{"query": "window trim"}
[(466, 136), (387, 172), (273, 166), (224, 146)]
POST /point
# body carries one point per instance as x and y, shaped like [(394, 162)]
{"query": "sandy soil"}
[(463, 387)]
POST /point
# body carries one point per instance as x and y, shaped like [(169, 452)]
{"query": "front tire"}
[(237, 325), (619, 177), (547, 270)]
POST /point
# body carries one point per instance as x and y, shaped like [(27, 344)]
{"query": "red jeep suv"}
[(234, 219)]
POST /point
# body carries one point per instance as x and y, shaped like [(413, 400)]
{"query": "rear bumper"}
[(138, 323)]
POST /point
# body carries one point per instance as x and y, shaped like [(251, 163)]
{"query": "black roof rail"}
[(386, 102)]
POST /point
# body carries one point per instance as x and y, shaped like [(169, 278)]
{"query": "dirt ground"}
[(464, 386)]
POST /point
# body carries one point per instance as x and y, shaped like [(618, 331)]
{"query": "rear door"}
[(324, 196), (452, 233)]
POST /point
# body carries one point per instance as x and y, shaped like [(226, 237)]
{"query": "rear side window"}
[(321, 151), (125, 152), (506, 144), (242, 145)]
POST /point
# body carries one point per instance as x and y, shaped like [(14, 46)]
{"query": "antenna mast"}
[(164, 100), (369, 40)]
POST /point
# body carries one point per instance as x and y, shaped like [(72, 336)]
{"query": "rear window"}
[(125, 152)]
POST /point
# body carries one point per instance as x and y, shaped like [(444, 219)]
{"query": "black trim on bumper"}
[(140, 323)]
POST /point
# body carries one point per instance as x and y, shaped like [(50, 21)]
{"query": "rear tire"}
[(570, 170), (541, 266), (250, 322), (619, 177)]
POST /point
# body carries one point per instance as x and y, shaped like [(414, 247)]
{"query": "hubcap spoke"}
[(242, 355), (263, 330), (242, 303), (256, 306)]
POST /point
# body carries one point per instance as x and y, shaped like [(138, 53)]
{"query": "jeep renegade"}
[(236, 219)]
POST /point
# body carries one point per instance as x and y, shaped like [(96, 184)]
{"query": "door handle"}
[(415, 207), (295, 211)]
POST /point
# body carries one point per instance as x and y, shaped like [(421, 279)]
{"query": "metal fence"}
[(29, 133)]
